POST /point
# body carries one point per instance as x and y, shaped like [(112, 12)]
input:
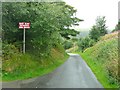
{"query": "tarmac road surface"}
[(74, 73)]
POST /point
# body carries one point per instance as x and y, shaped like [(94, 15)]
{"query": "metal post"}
[(74, 46), (24, 41)]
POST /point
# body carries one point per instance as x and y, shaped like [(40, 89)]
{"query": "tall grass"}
[(24, 66), (103, 60)]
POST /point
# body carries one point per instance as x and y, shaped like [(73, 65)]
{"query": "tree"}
[(49, 21), (99, 29), (67, 44), (84, 43), (101, 25), (94, 33)]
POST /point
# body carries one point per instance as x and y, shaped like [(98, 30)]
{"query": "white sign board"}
[(23, 25)]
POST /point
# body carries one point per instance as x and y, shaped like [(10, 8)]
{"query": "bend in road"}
[(74, 73)]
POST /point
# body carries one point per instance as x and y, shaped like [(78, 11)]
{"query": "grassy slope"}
[(27, 66), (103, 57)]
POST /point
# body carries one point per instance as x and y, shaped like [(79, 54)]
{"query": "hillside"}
[(23, 66), (103, 60)]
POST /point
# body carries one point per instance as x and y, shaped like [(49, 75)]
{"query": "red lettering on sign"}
[(23, 25)]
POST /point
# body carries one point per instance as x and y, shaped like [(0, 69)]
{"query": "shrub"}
[(67, 44), (84, 43), (8, 50)]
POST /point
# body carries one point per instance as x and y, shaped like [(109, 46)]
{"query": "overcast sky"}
[(90, 9)]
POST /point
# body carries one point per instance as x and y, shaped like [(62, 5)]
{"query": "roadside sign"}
[(23, 25)]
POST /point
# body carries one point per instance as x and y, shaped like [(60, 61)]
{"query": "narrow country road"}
[(74, 73)]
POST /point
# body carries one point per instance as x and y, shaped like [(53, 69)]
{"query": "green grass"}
[(98, 70), (102, 58), (27, 66)]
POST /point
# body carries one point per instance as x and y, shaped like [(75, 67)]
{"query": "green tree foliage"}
[(99, 29), (49, 21), (9, 50), (66, 32), (67, 44), (84, 43), (94, 33)]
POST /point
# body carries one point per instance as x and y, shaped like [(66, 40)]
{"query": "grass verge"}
[(26, 66), (102, 59), (98, 70)]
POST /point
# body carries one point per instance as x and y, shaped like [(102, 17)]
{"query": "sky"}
[(88, 10)]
